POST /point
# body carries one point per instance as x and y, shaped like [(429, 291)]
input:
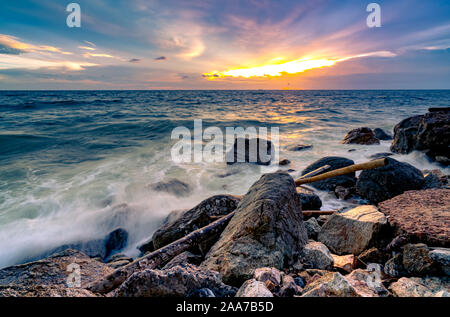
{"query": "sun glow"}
[(273, 70)]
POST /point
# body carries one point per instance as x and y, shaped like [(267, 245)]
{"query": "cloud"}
[(87, 48), (160, 58), (134, 60), (4, 49), (14, 43)]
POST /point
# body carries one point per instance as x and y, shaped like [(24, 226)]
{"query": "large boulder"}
[(385, 182), (331, 284), (421, 216), (353, 231), (266, 231), (429, 133), (182, 223), (256, 150), (335, 162), (362, 135), (421, 287), (50, 277), (179, 281)]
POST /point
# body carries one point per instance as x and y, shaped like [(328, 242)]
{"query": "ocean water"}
[(68, 159)]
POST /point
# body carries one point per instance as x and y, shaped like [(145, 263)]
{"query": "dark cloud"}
[(4, 49), (134, 60), (161, 58)]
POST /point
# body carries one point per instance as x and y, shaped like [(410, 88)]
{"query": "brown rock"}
[(360, 136), (344, 262), (416, 259), (332, 284), (421, 287)]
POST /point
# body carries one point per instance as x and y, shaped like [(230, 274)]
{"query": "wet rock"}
[(344, 263), (116, 241), (317, 256), (362, 135), (300, 147), (421, 216), (366, 284), (193, 219), (266, 231), (441, 256), (309, 200), (49, 277), (416, 259), (380, 155), (312, 228), (429, 133), (385, 182), (394, 266), (178, 281), (332, 284), (284, 162), (183, 259), (421, 287), (353, 231), (253, 288), (435, 179), (257, 151), (173, 186), (380, 134), (335, 162), (270, 276)]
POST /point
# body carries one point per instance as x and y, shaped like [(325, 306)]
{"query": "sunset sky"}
[(225, 44)]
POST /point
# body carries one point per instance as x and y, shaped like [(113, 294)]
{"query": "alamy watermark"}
[(74, 18), (374, 18), (74, 278)]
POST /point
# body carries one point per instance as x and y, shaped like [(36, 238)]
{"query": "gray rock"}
[(199, 216), (366, 284), (353, 231), (317, 256), (394, 266), (183, 259), (442, 257), (380, 134), (335, 162), (421, 287), (253, 288), (385, 182), (312, 228), (172, 186), (266, 231), (362, 135), (178, 281)]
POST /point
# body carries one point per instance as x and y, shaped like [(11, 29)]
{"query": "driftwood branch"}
[(160, 256), (342, 171)]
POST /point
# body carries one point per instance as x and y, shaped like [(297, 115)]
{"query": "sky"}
[(224, 44)]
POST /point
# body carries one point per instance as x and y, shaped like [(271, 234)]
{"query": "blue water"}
[(68, 158)]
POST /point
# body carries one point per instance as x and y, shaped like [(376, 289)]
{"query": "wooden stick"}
[(160, 256), (315, 172), (342, 171)]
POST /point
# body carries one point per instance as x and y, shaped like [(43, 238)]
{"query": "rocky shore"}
[(396, 242)]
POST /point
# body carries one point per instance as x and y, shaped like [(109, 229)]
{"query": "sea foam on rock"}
[(266, 231)]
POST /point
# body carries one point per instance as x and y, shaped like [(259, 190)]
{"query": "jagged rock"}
[(182, 259), (366, 284), (172, 186), (429, 133), (380, 134), (394, 266), (49, 277), (362, 135), (385, 182), (442, 257), (256, 150), (288, 287), (372, 255), (266, 231), (317, 256), (201, 215), (332, 284), (347, 180), (416, 259), (344, 263), (300, 147), (421, 287), (310, 201), (270, 276), (178, 281), (312, 228), (421, 216), (353, 231), (253, 288)]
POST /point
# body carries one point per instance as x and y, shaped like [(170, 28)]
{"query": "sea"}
[(71, 162)]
